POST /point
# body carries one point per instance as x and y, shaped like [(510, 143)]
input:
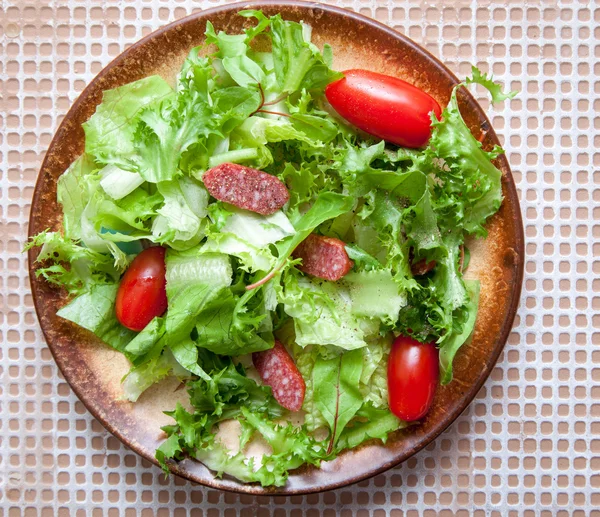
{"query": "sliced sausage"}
[(324, 257), (422, 267), (246, 188), (278, 370)]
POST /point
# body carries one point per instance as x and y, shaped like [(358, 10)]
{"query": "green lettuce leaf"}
[(94, 310), (258, 230), (322, 313), (336, 393), (149, 372), (298, 63), (494, 88), (193, 281), (371, 423), (65, 263), (72, 192), (373, 380), (180, 222), (234, 324), (458, 339), (118, 183), (327, 206), (228, 394), (145, 341), (469, 189), (110, 132)]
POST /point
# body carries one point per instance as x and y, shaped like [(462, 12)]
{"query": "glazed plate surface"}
[(94, 370)]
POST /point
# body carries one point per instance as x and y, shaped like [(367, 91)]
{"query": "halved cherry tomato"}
[(384, 106), (413, 376), (142, 294)]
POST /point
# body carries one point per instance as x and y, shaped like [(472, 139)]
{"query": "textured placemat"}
[(528, 445)]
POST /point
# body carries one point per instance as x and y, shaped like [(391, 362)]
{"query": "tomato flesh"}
[(384, 106), (142, 293), (413, 376)]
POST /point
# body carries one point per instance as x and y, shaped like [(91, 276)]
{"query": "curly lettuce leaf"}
[(226, 394), (154, 369), (459, 338), (297, 62), (322, 314), (495, 89), (235, 324), (371, 423), (118, 183), (181, 220), (65, 263), (73, 193), (110, 132), (469, 189)]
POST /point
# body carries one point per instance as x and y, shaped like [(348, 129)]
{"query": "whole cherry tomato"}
[(384, 106), (142, 294), (413, 376)]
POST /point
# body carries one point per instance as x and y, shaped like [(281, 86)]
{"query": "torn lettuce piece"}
[(186, 354), (73, 193), (235, 324), (344, 313), (322, 313), (181, 222), (374, 294), (335, 382), (457, 339), (118, 183), (370, 423), (252, 258), (469, 189), (258, 230), (145, 341), (154, 370), (94, 310), (193, 281), (373, 379), (495, 89), (298, 63), (305, 358), (65, 263), (110, 132), (247, 236)]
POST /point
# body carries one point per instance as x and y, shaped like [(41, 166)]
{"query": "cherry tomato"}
[(384, 106), (413, 375), (142, 294)]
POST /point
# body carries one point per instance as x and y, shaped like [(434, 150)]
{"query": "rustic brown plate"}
[(93, 370)]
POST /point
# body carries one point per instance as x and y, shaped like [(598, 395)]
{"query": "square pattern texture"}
[(529, 444)]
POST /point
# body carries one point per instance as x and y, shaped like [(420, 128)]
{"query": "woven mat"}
[(528, 445)]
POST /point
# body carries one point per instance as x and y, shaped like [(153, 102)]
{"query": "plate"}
[(94, 370)]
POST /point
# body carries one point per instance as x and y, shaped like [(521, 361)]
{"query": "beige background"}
[(528, 445)]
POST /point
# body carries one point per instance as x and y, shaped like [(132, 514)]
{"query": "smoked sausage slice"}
[(278, 370), (323, 257), (246, 188)]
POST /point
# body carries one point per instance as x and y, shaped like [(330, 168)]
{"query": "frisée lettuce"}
[(232, 283)]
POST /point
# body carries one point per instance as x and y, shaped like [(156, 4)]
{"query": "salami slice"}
[(324, 257), (278, 370), (246, 188), (422, 267)]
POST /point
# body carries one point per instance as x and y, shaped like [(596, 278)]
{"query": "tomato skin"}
[(142, 293), (384, 106), (413, 376)]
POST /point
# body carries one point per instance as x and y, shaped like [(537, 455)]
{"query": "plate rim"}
[(503, 334)]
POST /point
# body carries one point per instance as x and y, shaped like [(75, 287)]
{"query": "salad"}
[(286, 239)]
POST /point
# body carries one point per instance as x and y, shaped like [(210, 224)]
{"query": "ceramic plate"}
[(94, 370)]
